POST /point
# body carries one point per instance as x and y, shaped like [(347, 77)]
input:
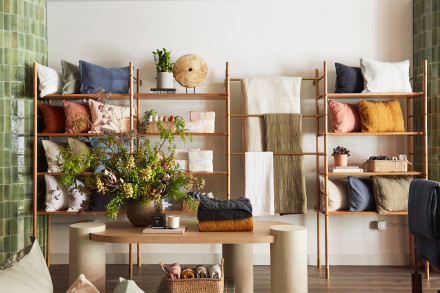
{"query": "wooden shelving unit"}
[(324, 169)]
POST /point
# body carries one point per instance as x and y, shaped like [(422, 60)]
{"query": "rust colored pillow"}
[(381, 116), (54, 119), (344, 117), (77, 117)]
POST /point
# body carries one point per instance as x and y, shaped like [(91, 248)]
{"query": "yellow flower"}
[(127, 189)]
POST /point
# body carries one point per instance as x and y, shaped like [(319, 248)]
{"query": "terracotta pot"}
[(140, 215), (341, 160)]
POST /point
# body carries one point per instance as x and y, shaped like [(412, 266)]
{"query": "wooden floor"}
[(344, 279)]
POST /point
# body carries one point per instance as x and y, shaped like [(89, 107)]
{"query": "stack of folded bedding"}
[(225, 215)]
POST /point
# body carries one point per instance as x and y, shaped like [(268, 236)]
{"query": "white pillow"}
[(337, 194), (120, 121), (82, 285), (50, 80), (385, 77), (26, 271), (57, 197), (76, 197), (52, 154), (127, 286)]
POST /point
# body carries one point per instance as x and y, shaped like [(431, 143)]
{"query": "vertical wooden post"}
[(34, 155), (130, 260), (228, 133), (327, 266), (425, 135), (130, 269), (318, 202), (138, 115)]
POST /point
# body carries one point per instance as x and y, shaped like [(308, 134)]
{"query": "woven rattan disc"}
[(190, 70)]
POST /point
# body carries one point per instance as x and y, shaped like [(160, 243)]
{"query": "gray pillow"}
[(70, 77), (360, 194), (391, 193), (26, 271)]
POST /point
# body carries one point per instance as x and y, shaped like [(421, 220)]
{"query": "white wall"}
[(257, 38)]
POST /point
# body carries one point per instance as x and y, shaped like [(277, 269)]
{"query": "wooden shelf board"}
[(371, 95), (373, 133), (193, 134), (60, 173), (66, 134), (83, 96), (65, 212), (414, 173), (44, 134), (182, 96), (403, 213)]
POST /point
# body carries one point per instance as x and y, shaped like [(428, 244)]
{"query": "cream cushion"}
[(337, 194), (50, 80), (57, 197), (76, 197), (120, 121), (52, 155), (82, 285)]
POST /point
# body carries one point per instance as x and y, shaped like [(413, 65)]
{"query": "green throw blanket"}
[(283, 134)]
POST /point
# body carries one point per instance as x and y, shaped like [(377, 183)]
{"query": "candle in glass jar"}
[(173, 222)]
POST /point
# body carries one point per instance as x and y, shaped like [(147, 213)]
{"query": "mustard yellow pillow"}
[(381, 116)]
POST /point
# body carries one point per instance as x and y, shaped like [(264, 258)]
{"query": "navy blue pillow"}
[(114, 80), (348, 79), (360, 195)]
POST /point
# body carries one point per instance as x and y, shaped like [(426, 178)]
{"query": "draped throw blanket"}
[(262, 95), (283, 134)]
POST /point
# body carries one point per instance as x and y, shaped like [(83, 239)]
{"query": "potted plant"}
[(341, 155), (139, 177), (164, 69)]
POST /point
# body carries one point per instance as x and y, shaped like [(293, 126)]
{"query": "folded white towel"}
[(259, 187), (200, 161), (265, 95)]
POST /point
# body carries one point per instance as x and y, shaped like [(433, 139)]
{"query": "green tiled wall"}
[(23, 40)]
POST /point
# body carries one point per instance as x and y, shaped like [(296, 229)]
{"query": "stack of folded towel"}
[(225, 215)]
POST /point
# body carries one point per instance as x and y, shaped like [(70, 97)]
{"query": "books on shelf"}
[(163, 90), (347, 169)]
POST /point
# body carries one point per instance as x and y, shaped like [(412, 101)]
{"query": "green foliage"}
[(163, 60)]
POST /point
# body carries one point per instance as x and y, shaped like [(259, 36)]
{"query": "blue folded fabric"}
[(93, 77)]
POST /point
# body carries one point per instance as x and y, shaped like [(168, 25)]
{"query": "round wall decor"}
[(190, 70)]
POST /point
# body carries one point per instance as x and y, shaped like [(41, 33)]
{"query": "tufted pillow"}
[(337, 194), (54, 118), (348, 79), (93, 77), (78, 117), (383, 116), (344, 117), (360, 194), (391, 193)]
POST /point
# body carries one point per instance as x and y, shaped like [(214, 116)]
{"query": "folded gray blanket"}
[(211, 209)]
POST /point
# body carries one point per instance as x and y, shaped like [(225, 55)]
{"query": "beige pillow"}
[(337, 194), (57, 197), (120, 117), (26, 271), (52, 154), (391, 193), (82, 285)]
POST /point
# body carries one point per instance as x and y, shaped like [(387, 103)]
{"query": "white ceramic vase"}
[(164, 80)]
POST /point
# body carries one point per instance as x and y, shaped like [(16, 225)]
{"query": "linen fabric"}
[(119, 121), (187, 273), (348, 79), (263, 95), (211, 209), (82, 285), (57, 197), (201, 272), (54, 118), (26, 271), (284, 134), (206, 120), (53, 155), (77, 199), (93, 77), (50, 80), (78, 117), (344, 117), (383, 77), (337, 194), (422, 208), (227, 225), (201, 160), (259, 184), (381, 116), (127, 286), (391, 193), (71, 77), (360, 194), (215, 272)]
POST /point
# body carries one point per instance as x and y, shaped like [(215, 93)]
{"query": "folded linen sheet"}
[(201, 271), (284, 134), (188, 273), (215, 272), (206, 120), (200, 161), (175, 271), (211, 209), (259, 185), (262, 95), (227, 225)]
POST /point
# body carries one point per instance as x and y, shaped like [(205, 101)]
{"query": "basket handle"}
[(164, 269)]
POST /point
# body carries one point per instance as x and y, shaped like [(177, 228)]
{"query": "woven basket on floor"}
[(152, 127), (387, 165), (196, 285)]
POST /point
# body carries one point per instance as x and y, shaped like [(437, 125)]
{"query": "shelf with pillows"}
[(374, 93)]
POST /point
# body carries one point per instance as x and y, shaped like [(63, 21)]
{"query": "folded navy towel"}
[(211, 209), (422, 208)]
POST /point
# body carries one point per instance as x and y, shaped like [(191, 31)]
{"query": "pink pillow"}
[(77, 117), (344, 117)]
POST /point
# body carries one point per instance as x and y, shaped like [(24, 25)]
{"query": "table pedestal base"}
[(239, 265)]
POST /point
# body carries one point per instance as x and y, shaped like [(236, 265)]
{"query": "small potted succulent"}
[(164, 69), (341, 155)]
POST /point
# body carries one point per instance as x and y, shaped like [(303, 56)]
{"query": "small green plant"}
[(341, 151), (163, 60)]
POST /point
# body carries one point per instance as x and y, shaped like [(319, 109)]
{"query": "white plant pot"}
[(164, 80)]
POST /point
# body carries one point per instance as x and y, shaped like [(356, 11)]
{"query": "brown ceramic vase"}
[(140, 215)]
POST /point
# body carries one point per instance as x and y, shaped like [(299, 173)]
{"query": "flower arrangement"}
[(340, 151), (132, 169)]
